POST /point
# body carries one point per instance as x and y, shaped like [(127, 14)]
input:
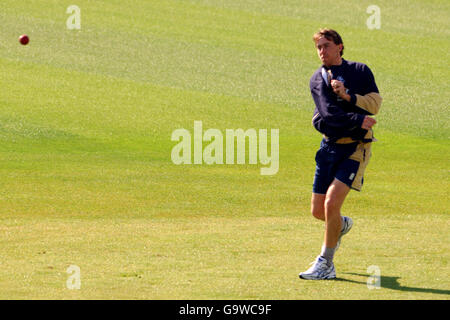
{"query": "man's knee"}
[(332, 206), (317, 206), (318, 212), (335, 197)]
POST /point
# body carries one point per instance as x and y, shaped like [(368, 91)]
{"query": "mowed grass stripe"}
[(217, 258), (118, 145)]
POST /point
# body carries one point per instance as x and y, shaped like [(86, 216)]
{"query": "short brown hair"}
[(331, 35)]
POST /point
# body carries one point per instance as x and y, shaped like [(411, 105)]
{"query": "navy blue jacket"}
[(337, 118)]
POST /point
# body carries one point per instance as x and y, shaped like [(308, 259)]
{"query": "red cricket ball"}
[(23, 39)]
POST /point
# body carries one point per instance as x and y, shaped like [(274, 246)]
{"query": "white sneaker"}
[(348, 224), (319, 270)]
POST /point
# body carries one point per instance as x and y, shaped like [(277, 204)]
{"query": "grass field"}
[(86, 175)]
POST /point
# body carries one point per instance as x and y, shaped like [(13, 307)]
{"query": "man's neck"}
[(338, 62)]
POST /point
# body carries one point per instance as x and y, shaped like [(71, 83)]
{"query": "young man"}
[(345, 94)]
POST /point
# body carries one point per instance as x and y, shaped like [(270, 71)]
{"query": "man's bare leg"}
[(318, 206), (327, 207), (334, 199)]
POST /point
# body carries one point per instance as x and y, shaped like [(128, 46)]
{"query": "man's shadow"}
[(392, 283)]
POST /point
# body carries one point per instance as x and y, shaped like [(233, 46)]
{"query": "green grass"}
[(86, 177)]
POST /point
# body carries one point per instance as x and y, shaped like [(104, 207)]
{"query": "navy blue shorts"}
[(345, 162)]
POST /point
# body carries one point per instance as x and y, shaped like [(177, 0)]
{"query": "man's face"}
[(328, 51)]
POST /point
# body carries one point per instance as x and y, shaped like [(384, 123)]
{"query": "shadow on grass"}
[(392, 283)]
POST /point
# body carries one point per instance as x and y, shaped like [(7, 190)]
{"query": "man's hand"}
[(368, 122), (340, 90)]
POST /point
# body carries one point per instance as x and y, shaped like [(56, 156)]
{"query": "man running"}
[(345, 95)]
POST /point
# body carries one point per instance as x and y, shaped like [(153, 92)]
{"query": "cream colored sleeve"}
[(370, 102)]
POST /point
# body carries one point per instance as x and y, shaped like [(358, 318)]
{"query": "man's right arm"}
[(329, 111)]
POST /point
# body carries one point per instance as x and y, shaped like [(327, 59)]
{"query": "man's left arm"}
[(370, 102)]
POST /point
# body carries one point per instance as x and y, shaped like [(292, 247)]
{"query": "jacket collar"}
[(344, 62)]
